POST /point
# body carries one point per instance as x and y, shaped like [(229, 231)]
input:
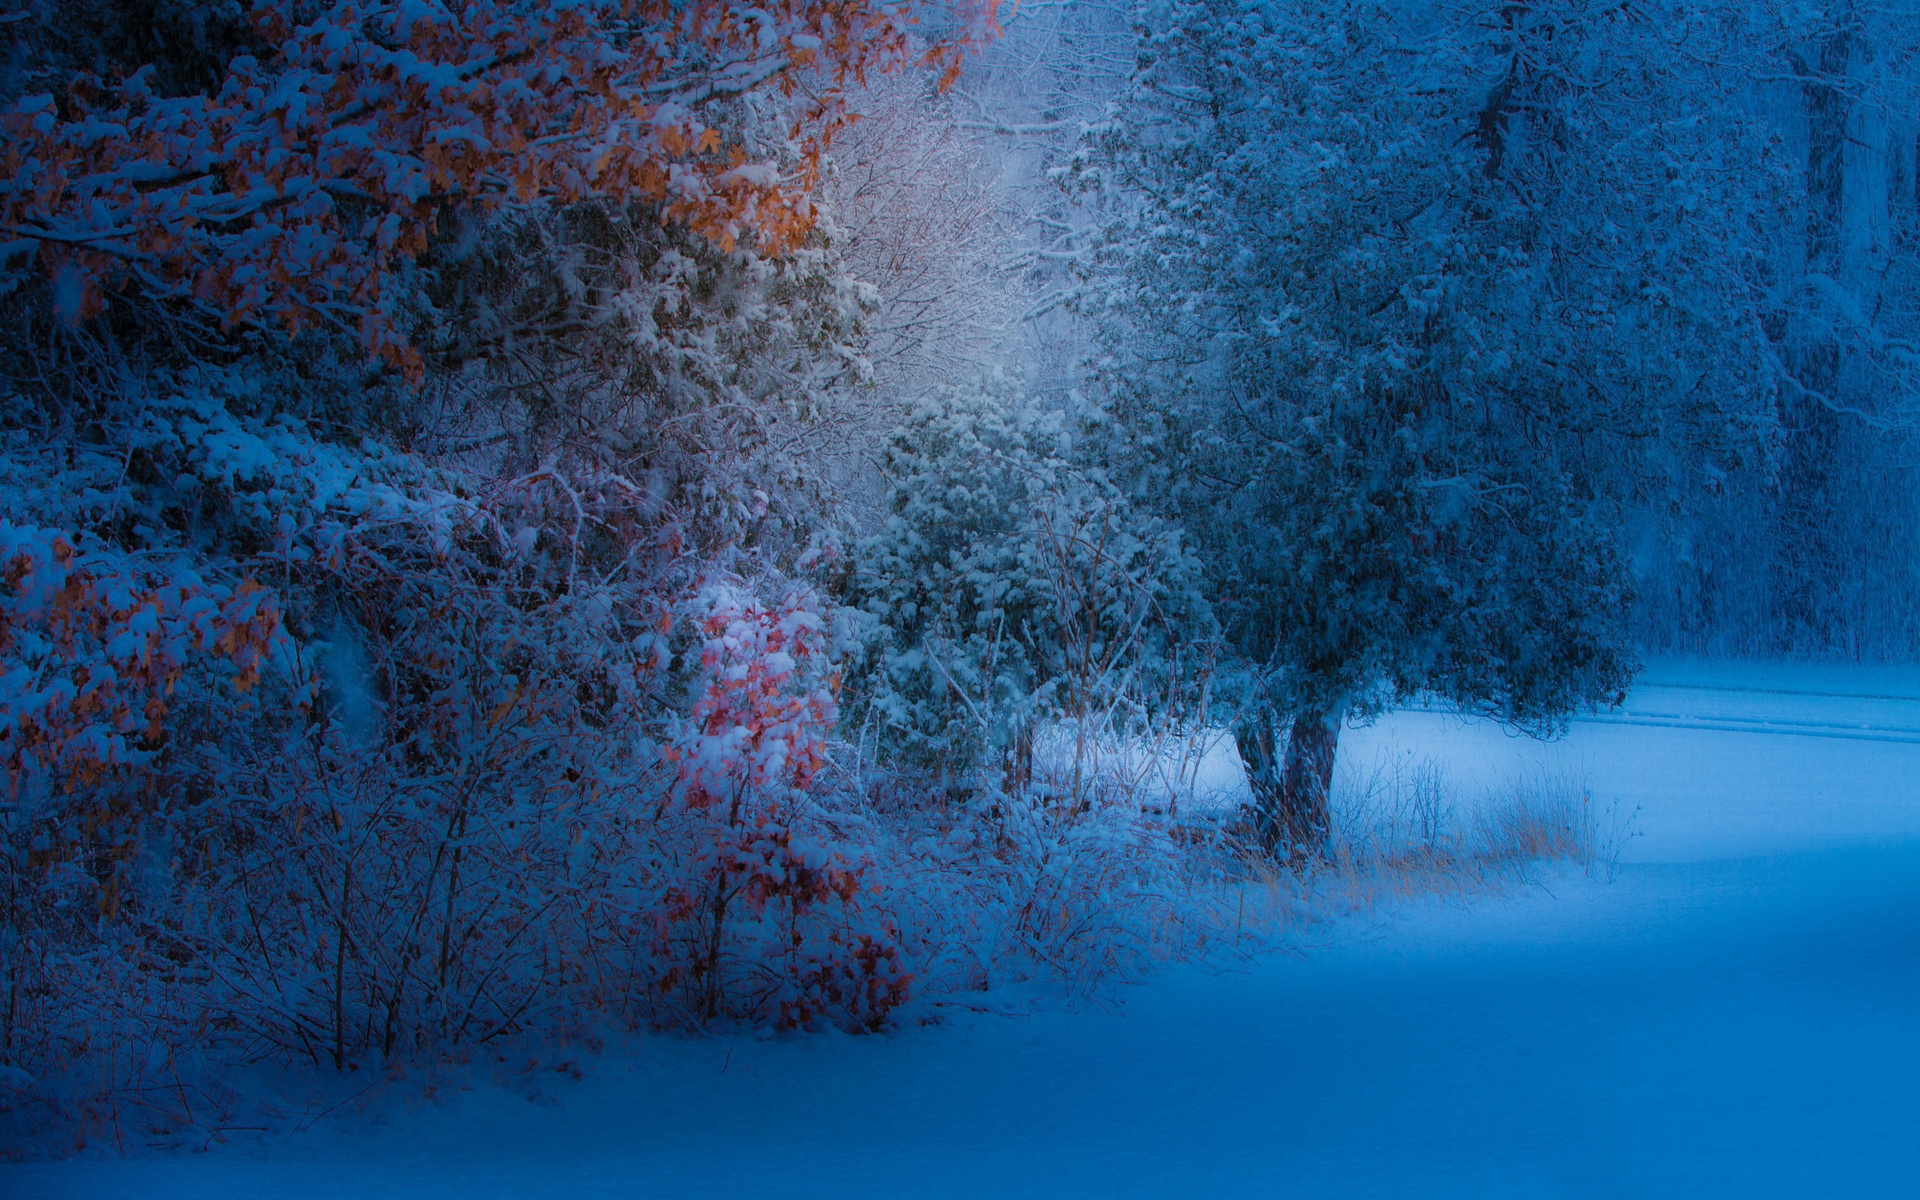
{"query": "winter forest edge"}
[(530, 519)]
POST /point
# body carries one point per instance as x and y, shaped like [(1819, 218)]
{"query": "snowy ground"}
[(1736, 1014)]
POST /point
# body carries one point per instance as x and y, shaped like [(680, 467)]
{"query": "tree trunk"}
[(1290, 807), (1253, 737), (1809, 553), (1312, 742), (1829, 112)]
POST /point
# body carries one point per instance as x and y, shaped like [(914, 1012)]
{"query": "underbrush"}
[(417, 768), (277, 917), (360, 966)]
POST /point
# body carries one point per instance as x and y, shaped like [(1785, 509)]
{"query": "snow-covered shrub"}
[(1014, 586), (510, 766), (734, 854)]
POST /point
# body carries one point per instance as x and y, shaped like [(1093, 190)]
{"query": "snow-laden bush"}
[(732, 850), (1013, 586), (516, 761), (513, 763)]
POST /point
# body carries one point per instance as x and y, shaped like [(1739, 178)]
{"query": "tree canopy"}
[(301, 186), (1400, 308)]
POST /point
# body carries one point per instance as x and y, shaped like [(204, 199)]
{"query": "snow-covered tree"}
[(1400, 303), (1013, 585), (302, 186)]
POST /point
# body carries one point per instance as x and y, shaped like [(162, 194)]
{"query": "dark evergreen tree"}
[(1396, 305)]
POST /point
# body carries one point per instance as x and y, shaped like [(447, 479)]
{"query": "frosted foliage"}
[(494, 776), (1012, 585), (713, 379), (302, 188), (96, 646), (1395, 301)]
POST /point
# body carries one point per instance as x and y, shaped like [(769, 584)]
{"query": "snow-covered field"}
[(1736, 1014)]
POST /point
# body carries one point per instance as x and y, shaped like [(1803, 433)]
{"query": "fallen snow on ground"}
[(1736, 1014)]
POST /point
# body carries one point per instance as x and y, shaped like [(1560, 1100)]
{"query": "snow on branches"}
[(301, 190), (1013, 584), (749, 732), (91, 650), (756, 738)]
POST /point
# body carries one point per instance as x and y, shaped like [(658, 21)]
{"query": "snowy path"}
[(1738, 1014)]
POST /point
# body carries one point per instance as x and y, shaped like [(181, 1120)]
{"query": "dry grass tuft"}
[(1402, 829), (1403, 832)]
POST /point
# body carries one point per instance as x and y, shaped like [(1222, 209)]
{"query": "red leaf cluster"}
[(755, 741)]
